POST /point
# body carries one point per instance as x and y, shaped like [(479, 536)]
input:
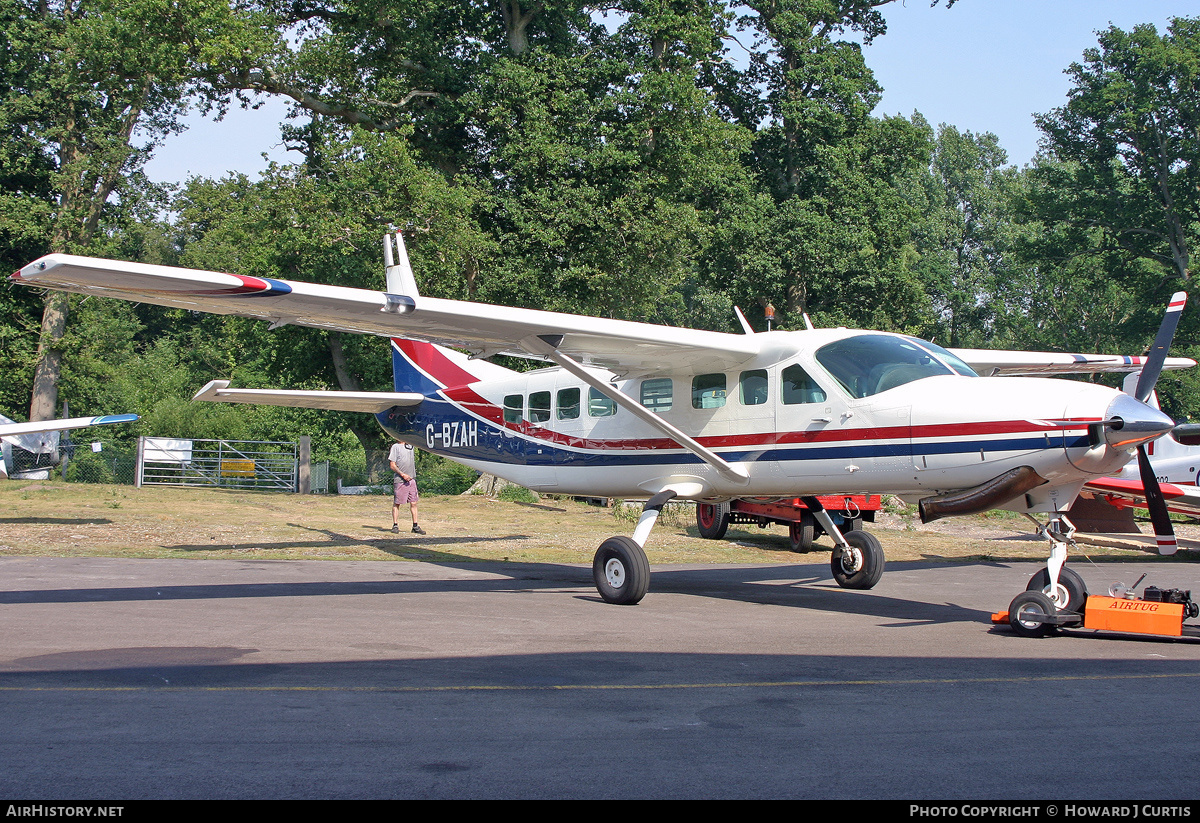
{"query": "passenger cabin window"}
[(752, 387), (539, 407), (708, 391), (513, 405), (656, 394), (797, 387), (600, 405), (868, 364), (568, 404)]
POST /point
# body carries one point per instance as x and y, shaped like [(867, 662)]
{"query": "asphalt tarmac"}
[(160, 679)]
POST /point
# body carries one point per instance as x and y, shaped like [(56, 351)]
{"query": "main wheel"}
[(621, 571), (861, 566), (1069, 595), (803, 532), (1029, 614), (712, 519)]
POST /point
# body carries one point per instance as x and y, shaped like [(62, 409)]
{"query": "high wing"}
[(622, 346), (1045, 364), (1180, 498), (12, 430)]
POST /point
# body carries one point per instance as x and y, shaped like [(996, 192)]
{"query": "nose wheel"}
[(1069, 594), (858, 564)]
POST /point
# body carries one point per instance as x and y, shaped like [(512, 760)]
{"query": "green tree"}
[(833, 239), (1128, 180), (90, 87), (967, 235)]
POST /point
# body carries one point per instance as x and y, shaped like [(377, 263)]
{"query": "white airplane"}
[(42, 437), (641, 411)]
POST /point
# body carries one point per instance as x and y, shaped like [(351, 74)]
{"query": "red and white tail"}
[(427, 368)]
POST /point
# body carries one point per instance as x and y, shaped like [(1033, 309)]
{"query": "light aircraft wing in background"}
[(42, 437), (10, 430)]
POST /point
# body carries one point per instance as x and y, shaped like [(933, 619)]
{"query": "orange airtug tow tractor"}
[(1158, 612)]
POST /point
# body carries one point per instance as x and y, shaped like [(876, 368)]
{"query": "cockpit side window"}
[(868, 364), (797, 387)]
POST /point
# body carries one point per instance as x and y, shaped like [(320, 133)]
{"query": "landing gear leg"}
[(1063, 586), (620, 568), (857, 560)]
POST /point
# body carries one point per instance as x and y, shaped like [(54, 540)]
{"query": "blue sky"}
[(982, 66)]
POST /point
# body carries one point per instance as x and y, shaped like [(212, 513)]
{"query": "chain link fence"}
[(372, 475)]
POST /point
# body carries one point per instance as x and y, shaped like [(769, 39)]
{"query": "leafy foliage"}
[(658, 160)]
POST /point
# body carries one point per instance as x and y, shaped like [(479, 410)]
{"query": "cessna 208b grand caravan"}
[(641, 411)]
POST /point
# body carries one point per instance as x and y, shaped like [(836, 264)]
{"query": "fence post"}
[(304, 480), (141, 453)]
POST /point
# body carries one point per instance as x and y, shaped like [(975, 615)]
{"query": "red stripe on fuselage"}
[(471, 402)]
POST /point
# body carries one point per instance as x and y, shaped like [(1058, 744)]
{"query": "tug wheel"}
[(1029, 612)]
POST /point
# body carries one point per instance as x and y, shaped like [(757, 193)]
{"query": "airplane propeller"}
[(1164, 532)]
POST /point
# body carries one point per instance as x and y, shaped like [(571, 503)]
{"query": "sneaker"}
[(395, 528), (417, 529)]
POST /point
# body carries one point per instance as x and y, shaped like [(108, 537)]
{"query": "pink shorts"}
[(403, 492)]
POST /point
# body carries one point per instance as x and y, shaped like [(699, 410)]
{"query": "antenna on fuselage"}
[(746, 327), (399, 273)]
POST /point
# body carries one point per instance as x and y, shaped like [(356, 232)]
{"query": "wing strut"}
[(547, 345)]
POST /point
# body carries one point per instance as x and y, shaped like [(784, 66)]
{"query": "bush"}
[(90, 467)]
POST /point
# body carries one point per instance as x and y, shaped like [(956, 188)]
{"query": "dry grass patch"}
[(79, 520)]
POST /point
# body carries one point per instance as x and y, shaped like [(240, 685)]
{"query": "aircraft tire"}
[(712, 520), (803, 532), (1070, 584), (621, 571), (1027, 613), (862, 571)]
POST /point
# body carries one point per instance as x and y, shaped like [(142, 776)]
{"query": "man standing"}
[(403, 461)]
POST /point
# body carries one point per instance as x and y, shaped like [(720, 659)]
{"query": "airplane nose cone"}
[(1133, 422)]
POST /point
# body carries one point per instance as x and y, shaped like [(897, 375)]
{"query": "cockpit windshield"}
[(868, 364)]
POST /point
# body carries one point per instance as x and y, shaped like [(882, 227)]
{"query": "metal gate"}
[(229, 464)]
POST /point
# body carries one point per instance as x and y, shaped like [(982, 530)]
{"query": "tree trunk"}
[(48, 367), (489, 485), (368, 435)]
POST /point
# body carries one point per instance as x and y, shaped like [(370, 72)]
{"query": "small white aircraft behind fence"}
[(642, 411), (42, 437)]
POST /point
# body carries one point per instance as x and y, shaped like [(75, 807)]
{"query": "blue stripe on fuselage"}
[(439, 426)]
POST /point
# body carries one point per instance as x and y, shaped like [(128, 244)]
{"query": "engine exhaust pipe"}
[(981, 498)]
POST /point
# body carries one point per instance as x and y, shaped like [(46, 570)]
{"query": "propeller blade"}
[(1164, 532), (1162, 342)]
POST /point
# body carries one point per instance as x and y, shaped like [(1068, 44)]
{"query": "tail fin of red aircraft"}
[(427, 368)]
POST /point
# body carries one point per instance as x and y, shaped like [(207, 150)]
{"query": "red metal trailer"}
[(847, 510)]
